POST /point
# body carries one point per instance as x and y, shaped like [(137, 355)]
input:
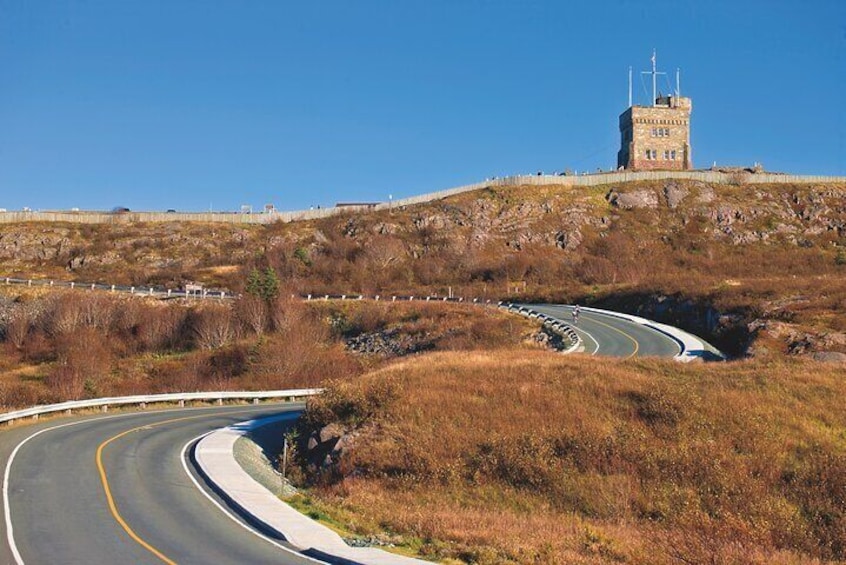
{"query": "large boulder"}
[(674, 193), (630, 200), (830, 356)]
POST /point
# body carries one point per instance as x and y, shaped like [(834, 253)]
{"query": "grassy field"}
[(521, 457)]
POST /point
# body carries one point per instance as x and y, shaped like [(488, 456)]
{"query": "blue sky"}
[(194, 105)]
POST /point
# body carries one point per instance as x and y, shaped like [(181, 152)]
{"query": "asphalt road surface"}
[(611, 336), (60, 511)]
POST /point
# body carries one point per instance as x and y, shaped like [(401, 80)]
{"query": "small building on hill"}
[(656, 137)]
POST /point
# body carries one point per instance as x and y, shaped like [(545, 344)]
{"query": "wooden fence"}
[(574, 181)]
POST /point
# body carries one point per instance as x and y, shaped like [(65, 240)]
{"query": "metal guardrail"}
[(160, 292), (143, 400), (396, 298), (553, 324), (157, 292)]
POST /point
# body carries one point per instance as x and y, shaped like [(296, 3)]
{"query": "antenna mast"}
[(654, 74), (630, 87), (678, 82), (654, 77)]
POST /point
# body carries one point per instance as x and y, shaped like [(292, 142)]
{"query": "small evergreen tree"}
[(254, 283), (270, 284)]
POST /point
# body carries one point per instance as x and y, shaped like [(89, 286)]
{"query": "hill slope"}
[(731, 261)]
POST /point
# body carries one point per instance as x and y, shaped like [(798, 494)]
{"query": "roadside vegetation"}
[(521, 457), (80, 344)]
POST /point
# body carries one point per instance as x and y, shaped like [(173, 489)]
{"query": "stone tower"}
[(656, 137)]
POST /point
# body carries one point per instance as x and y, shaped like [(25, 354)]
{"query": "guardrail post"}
[(51, 283), (169, 292), (326, 297), (393, 299), (151, 291), (73, 284), (255, 400), (92, 286), (308, 297), (222, 295), (29, 282), (132, 290), (411, 299), (68, 412), (182, 404), (105, 407), (7, 280), (143, 405), (377, 298), (220, 402), (113, 288), (343, 297)]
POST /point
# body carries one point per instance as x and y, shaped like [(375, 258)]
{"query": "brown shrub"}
[(213, 326), (83, 361), (252, 313), (160, 327)]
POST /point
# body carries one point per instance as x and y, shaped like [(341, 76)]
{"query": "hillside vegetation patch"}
[(519, 457)]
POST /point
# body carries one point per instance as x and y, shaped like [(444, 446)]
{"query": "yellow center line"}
[(107, 489), (618, 330)]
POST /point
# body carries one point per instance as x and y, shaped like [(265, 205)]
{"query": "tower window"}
[(673, 155), (666, 155)]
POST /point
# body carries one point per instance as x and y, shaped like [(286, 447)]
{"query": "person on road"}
[(576, 315)]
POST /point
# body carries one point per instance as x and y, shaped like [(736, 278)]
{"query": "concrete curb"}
[(216, 460)]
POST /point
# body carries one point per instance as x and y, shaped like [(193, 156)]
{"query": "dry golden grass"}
[(512, 456)]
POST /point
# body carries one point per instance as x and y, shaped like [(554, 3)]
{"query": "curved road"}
[(60, 512), (114, 489), (611, 336)]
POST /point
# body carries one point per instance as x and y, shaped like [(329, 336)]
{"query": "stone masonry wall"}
[(660, 130)]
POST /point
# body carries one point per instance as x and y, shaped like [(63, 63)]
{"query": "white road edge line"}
[(7, 512), (576, 328), (230, 514), (593, 339)]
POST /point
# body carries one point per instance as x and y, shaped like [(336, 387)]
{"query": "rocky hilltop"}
[(744, 260)]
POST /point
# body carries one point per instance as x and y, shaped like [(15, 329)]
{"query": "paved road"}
[(608, 335), (60, 510)]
